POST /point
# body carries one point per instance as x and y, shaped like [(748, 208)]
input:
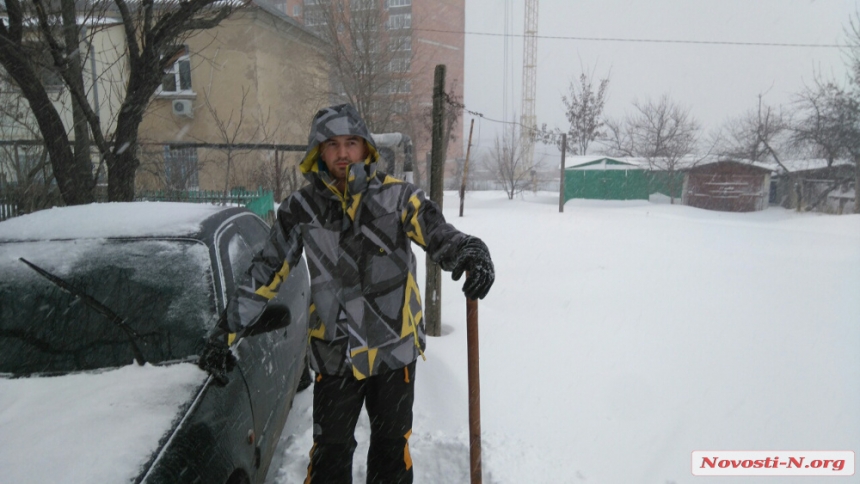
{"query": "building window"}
[(399, 64), (297, 10), (314, 18), (366, 45), (401, 107), (177, 77), (397, 3), (404, 86), (400, 42), (180, 167), (397, 86), (400, 21), (362, 4)]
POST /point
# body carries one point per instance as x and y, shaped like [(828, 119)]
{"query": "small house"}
[(816, 185), (727, 186)]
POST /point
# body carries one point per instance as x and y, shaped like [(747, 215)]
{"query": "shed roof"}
[(746, 166), (604, 163), (794, 166)]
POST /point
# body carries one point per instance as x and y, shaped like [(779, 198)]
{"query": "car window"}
[(240, 254), (245, 237), (163, 289)]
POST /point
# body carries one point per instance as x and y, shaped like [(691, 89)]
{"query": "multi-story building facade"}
[(416, 36)]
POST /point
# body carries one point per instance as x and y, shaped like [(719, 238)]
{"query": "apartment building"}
[(427, 33)]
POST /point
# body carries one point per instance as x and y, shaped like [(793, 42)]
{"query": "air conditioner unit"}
[(182, 107)]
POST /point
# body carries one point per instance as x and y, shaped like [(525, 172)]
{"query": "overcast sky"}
[(715, 81)]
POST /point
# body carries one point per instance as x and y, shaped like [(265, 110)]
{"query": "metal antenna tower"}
[(527, 118)]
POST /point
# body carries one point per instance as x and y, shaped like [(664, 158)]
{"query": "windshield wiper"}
[(95, 305)]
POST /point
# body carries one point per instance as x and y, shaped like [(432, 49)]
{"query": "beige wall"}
[(108, 50), (111, 68), (279, 69)]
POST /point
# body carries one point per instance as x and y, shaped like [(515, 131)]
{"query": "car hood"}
[(90, 427)]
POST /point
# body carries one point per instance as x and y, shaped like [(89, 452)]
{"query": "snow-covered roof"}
[(601, 163), (100, 220), (804, 164)]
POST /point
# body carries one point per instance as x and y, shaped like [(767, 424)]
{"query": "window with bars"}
[(181, 167), (177, 77)]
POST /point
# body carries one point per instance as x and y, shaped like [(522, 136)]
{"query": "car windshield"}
[(163, 289)]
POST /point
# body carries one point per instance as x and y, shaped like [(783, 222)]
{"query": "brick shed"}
[(727, 186)]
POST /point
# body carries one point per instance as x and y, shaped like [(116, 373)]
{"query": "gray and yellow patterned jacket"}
[(366, 312)]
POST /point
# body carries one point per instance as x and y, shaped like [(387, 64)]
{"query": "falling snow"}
[(621, 336)]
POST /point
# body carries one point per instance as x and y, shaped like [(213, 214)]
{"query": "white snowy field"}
[(620, 337)]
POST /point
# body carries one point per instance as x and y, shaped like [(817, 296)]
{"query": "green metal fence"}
[(621, 184), (261, 202)]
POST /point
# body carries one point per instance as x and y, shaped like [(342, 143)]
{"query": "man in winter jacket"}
[(356, 225)]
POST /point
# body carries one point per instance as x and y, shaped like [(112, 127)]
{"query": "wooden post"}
[(561, 182), (466, 167), (474, 390), (433, 290)]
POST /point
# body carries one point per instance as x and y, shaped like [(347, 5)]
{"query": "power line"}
[(461, 106), (646, 41)]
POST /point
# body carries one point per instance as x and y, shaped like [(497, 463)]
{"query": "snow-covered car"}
[(104, 309)]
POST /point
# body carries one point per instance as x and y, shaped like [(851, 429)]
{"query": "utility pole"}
[(561, 173), (433, 289), (466, 167)]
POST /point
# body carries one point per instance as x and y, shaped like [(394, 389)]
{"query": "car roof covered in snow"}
[(112, 220)]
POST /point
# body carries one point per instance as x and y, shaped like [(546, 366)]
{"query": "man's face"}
[(339, 152)]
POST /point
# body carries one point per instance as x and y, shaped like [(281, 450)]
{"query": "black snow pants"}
[(337, 405)]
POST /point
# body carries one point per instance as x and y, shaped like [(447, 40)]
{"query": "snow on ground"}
[(621, 336)]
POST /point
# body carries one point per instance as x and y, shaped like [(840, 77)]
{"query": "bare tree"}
[(506, 163), (763, 135), (62, 32), (25, 171), (756, 135), (819, 123), (584, 111), (278, 171), (232, 128), (370, 54), (664, 133)]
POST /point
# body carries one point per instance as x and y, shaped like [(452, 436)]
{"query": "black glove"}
[(216, 358), (473, 256)]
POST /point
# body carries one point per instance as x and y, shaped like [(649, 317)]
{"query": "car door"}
[(271, 362)]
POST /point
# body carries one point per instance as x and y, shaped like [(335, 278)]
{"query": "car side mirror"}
[(274, 317)]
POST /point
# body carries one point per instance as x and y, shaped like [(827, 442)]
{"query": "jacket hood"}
[(333, 121)]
